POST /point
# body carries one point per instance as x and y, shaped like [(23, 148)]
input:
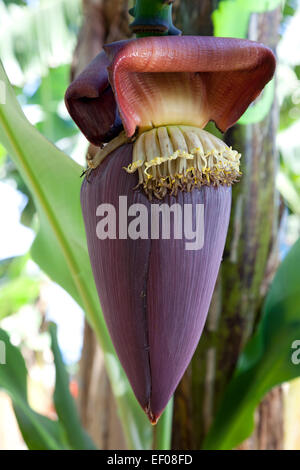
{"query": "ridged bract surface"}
[(194, 78), (154, 293), (158, 81)]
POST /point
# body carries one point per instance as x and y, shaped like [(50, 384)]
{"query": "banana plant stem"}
[(153, 18)]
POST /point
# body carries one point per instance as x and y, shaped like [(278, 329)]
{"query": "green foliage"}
[(289, 112), (231, 19), (17, 293), (32, 38), (163, 431), (260, 110), (17, 288), (289, 93), (156, 12), (288, 184), (15, 2), (288, 84), (64, 402), (2, 154), (288, 178), (60, 247), (39, 432), (289, 8), (265, 362), (49, 96), (48, 172)]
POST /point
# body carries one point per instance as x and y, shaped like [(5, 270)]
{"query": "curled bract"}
[(158, 81), (91, 102)]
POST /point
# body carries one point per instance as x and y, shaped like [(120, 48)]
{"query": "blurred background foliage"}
[(288, 92), (37, 40)]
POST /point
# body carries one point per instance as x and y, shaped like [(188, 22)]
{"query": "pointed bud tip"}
[(151, 416), (170, 325)]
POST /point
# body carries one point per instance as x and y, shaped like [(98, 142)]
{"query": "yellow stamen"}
[(161, 156)]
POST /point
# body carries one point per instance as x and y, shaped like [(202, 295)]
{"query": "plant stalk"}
[(153, 18)]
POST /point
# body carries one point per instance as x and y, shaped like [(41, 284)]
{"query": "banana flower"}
[(145, 104)]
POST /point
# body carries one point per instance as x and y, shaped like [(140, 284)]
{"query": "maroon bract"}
[(91, 103), (155, 294), (217, 77), (154, 289)]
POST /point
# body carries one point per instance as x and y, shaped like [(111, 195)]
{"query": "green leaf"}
[(265, 362), (2, 155), (54, 181), (259, 110), (36, 36), (231, 19), (60, 247), (288, 177), (18, 2), (289, 189), (64, 402), (16, 293), (49, 97), (39, 432), (260, 6), (17, 288), (163, 431)]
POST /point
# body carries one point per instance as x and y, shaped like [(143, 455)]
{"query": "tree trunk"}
[(104, 21), (97, 405), (249, 261), (268, 433)]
